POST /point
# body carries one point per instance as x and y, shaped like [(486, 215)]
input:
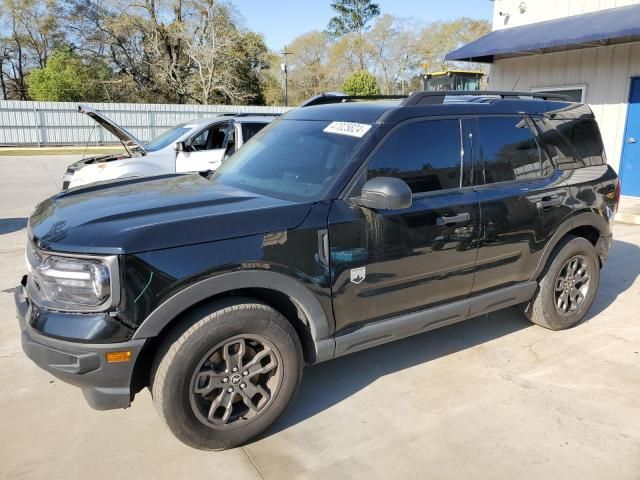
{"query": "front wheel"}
[(568, 285), (229, 376)]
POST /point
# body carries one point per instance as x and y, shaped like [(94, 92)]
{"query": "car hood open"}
[(128, 140), (141, 214)]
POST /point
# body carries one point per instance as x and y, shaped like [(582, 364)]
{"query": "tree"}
[(67, 79), (395, 53), (439, 38), (33, 29), (361, 83), (308, 66), (353, 17)]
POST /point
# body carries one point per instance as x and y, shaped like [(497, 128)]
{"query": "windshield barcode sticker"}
[(348, 128)]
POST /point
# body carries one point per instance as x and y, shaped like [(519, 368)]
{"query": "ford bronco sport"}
[(343, 225)]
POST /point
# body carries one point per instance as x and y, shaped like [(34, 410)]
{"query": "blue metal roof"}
[(604, 27)]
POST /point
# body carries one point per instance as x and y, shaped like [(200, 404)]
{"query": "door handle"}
[(453, 219), (631, 140), (548, 201)]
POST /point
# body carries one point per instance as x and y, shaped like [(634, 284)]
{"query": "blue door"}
[(631, 150)]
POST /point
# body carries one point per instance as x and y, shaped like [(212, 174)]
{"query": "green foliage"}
[(361, 83), (351, 16), (66, 78)]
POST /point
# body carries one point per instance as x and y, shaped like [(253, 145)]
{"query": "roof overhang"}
[(605, 27)]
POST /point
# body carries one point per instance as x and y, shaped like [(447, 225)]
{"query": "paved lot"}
[(491, 398)]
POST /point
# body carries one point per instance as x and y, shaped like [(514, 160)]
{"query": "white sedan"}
[(193, 146)]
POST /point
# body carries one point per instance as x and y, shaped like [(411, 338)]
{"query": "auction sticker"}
[(348, 128)]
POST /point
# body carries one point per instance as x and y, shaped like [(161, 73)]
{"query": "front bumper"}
[(104, 385)]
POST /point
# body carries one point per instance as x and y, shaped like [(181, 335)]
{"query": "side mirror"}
[(181, 147), (384, 193)]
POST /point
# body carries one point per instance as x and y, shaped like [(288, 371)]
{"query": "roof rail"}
[(435, 98), (339, 97), (249, 114), (258, 114)]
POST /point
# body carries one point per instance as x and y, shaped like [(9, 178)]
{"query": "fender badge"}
[(358, 275)]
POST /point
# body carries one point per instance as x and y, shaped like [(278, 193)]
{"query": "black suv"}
[(343, 225)]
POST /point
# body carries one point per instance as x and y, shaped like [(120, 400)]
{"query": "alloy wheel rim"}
[(572, 285), (235, 381)]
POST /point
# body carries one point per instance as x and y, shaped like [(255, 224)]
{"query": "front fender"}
[(319, 325)]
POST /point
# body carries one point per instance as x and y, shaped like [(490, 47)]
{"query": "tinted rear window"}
[(250, 129), (575, 143)]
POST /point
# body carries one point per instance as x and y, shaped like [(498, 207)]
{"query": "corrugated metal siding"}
[(541, 10), (59, 123), (606, 72)]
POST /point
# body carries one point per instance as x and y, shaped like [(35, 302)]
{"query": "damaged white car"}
[(193, 146)]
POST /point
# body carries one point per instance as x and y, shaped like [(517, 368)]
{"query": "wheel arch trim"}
[(584, 219), (319, 325)]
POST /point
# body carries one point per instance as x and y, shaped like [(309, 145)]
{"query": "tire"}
[(194, 361), (560, 309)]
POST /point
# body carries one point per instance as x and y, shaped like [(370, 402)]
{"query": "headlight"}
[(74, 283)]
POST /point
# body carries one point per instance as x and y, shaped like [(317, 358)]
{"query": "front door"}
[(389, 263), (205, 150), (631, 149)]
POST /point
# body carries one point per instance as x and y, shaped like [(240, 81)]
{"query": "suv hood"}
[(141, 214), (128, 140)]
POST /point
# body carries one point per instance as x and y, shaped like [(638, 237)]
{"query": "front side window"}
[(212, 138), (427, 155), (509, 151)]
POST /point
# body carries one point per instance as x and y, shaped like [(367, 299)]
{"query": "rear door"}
[(388, 263), (523, 199), (205, 150)]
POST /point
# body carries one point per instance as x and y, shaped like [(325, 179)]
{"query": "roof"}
[(392, 112), (604, 27), (238, 119), (363, 112)]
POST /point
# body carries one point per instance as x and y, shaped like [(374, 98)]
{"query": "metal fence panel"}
[(60, 123)]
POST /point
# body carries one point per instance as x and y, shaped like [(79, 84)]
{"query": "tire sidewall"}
[(229, 322), (575, 246)]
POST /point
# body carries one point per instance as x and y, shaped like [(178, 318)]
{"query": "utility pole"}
[(285, 69)]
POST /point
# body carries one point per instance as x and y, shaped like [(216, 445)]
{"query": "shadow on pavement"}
[(329, 383), (619, 273), (9, 225)]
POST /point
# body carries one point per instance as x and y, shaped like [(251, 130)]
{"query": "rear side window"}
[(426, 155), (509, 151), (575, 143), (250, 129)]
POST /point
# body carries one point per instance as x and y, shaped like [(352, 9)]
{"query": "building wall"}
[(606, 72), (540, 10)]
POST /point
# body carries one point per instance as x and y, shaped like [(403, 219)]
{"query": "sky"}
[(280, 21)]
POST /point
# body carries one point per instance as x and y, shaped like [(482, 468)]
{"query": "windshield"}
[(289, 159), (167, 138)]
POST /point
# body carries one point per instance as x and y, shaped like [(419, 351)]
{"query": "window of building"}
[(509, 150), (427, 155), (577, 93)]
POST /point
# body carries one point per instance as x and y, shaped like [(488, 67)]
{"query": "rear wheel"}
[(229, 376), (568, 285)]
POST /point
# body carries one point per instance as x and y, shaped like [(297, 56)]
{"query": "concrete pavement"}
[(493, 398)]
